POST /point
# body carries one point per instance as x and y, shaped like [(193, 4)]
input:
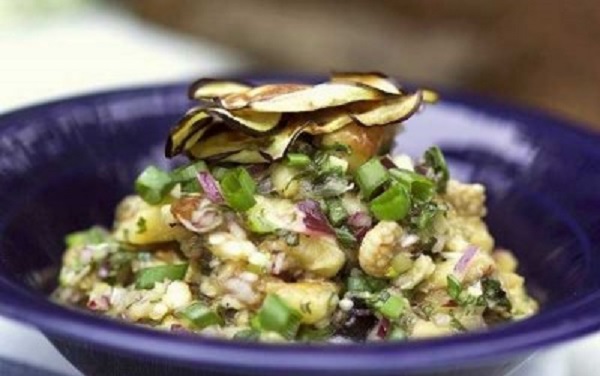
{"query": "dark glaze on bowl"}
[(64, 165)]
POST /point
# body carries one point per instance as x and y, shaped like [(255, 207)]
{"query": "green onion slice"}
[(188, 172), (421, 188), (391, 205), (147, 277), (370, 176), (199, 315), (297, 160), (153, 185), (276, 316), (392, 307), (238, 188)]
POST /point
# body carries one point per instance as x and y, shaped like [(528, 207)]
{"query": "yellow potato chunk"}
[(140, 223), (318, 254), (314, 300)]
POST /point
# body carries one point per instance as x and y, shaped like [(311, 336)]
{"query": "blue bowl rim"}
[(578, 317)]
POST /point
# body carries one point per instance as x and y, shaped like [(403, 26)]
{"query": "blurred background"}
[(541, 53)]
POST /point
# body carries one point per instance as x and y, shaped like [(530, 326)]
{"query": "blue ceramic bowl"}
[(64, 165)]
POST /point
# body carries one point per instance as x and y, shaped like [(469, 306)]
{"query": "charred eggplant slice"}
[(209, 88), (248, 121), (317, 97), (239, 147), (257, 124), (375, 80), (389, 111), (261, 93), (188, 131)]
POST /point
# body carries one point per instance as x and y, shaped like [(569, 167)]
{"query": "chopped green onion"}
[(391, 205), (93, 235), (435, 158), (153, 185), (218, 172), (188, 172), (345, 237), (334, 165), (249, 335), (297, 160), (396, 334), (420, 187), (147, 277), (392, 307), (238, 188), (276, 316), (370, 176), (199, 315), (336, 211), (359, 282)]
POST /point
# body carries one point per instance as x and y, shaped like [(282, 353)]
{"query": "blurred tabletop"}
[(92, 47)]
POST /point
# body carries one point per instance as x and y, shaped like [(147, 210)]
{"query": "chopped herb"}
[(434, 158), (459, 295), (346, 237), (141, 225), (336, 211), (494, 296), (456, 323), (360, 282)]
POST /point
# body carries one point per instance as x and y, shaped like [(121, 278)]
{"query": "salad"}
[(290, 222)]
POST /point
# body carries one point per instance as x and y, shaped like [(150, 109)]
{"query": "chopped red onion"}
[(383, 328), (360, 223), (314, 220), (102, 303), (210, 187), (465, 259), (387, 162)]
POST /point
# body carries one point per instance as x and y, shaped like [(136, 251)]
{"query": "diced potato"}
[(318, 254), (140, 223), (283, 180), (426, 329), (314, 300)]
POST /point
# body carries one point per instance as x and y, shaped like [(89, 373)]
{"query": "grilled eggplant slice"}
[(235, 146), (260, 93), (317, 97), (389, 111), (209, 88), (248, 121), (375, 80), (188, 131)]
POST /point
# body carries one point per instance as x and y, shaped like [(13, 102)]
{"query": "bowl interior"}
[(65, 165)]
